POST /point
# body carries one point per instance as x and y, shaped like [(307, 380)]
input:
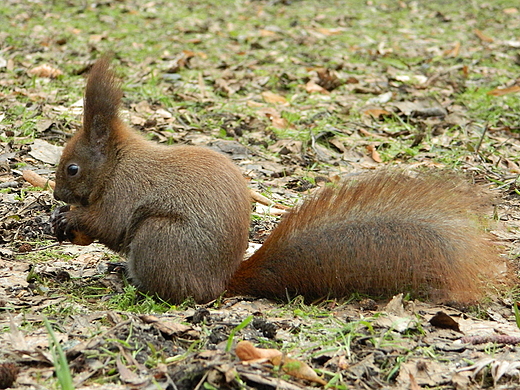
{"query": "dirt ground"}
[(297, 93)]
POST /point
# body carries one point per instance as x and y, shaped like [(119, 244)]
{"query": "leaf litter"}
[(296, 100)]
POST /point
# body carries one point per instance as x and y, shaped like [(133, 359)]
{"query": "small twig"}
[(42, 248), (266, 201), (477, 148), (37, 180), (202, 380)]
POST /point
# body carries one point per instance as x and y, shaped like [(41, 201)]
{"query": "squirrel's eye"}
[(72, 169)]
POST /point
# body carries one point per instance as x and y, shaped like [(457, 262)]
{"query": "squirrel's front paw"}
[(59, 223), (63, 230)]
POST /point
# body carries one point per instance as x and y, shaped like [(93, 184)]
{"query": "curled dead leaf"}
[(504, 91), (276, 120), (329, 31), (483, 37), (444, 321), (374, 154), (454, 51), (312, 87), (376, 113), (297, 369), (247, 352), (328, 79), (46, 71), (271, 97)]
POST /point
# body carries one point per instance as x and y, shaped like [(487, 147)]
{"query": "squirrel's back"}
[(380, 234)]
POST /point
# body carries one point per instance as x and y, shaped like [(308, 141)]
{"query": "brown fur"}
[(381, 234), (180, 214)]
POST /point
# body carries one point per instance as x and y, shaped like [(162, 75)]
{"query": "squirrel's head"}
[(77, 173), (89, 154)]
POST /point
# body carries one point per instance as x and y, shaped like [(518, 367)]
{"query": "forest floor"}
[(296, 93)]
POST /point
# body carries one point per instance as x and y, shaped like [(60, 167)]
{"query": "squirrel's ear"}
[(101, 104)]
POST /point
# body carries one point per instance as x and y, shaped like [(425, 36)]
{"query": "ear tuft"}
[(102, 100)]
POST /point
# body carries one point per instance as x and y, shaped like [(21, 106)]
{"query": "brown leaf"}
[(254, 104), (267, 33), (377, 113), (504, 91), (454, 51), (297, 369), (373, 153), (328, 79), (45, 71), (483, 37), (276, 120), (286, 146), (127, 375), (225, 87), (444, 321), (312, 87), (329, 31), (271, 97), (247, 352), (279, 123)]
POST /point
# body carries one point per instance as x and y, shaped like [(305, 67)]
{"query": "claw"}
[(59, 223)]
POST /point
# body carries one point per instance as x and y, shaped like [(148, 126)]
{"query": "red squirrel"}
[(180, 215)]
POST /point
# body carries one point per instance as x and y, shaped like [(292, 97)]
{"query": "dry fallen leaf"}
[(373, 153), (276, 120), (483, 37), (328, 79), (504, 91), (45, 151), (271, 97), (46, 71), (312, 87), (376, 113), (297, 369), (454, 51), (267, 33), (247, 352), (444, 321), (128, 376), (329, 31)]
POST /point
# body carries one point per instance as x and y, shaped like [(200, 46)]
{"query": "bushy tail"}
[(380, 234)]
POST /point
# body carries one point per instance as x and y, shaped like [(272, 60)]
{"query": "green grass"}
[(258, 46)]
